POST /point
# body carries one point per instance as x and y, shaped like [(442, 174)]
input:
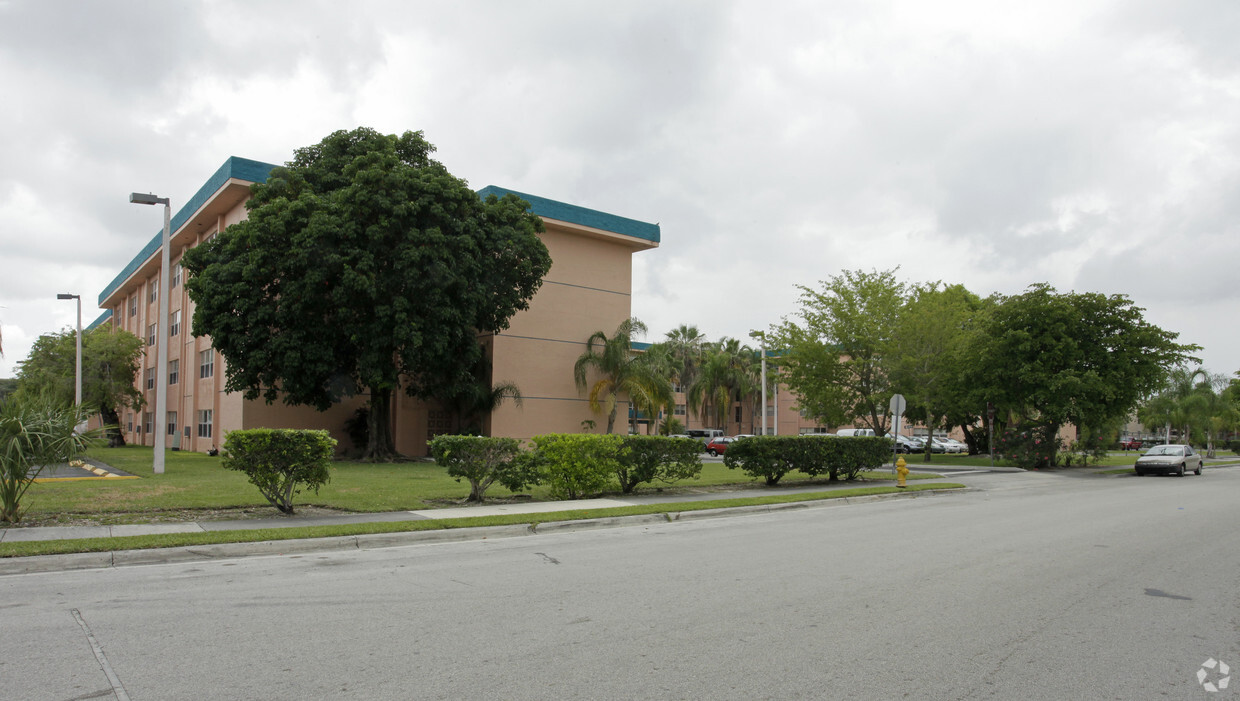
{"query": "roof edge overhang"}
[(590, 222), (230, 181)]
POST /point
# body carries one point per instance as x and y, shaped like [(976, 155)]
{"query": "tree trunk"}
[(380, 445), (112, 421), (611, 418), (970, 439), (930, 423), (1051, 437)]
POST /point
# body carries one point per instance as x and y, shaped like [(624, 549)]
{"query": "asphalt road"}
[(1033, 586)]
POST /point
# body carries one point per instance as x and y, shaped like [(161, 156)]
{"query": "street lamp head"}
[(63, 295), (140, 198), (757, 334)]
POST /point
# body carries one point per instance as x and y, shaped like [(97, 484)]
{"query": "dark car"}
[(1169, 459), (904, 444)]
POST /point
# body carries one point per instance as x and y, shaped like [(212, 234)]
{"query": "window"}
[(148, 422), (172, 423), (677, 388), (204, 423), (174, 371), (133, 305), (150, 335), (187, 432), (174, 323), (153, 286), (679, 410), (176, 276), (150, 378), (206, 363), (129, 425), (738, 414)]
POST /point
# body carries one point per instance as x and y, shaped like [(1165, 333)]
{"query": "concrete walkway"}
[(39, 533)]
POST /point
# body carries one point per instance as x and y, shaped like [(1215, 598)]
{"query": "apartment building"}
[(588, 288)]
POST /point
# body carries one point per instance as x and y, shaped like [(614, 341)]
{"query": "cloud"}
[(1090, 144)]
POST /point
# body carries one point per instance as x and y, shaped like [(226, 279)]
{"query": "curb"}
[(373, 541)]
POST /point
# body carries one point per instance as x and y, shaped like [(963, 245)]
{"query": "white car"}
[(954, 446), (1170, 460)]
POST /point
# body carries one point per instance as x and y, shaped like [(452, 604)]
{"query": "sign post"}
[(897, 410)]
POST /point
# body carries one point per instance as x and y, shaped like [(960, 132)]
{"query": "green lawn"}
[(169, 540), (197, 481)]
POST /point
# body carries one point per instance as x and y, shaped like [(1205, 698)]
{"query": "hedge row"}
[(573, 465), (772, 457)]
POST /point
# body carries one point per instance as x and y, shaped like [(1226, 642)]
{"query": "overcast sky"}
[(1091, 145)]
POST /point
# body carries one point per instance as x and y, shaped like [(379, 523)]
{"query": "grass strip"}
[(173, 540)]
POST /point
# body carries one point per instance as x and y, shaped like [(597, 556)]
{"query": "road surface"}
[(1032, 586)]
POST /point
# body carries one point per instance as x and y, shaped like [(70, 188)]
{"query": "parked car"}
[(855, 432), (904, 444), (954, 446), (1169, 459), (719, 446), (1130, 444), (704, 434)]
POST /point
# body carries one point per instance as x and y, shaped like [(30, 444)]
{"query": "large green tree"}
[(927, 362), (110, 365), (833, 355), (1048, 358), (363, 266)]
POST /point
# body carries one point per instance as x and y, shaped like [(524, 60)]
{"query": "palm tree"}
[(726, 376), (685, 344), (621, 372)]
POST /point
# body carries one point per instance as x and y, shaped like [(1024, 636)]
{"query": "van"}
[(855, 432), (704, 434)]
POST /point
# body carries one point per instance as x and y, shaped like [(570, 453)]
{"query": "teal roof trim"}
[(234, 167), (551, 209), (103, 319)]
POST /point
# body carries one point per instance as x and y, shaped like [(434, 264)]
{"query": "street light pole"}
[(77, 392), (161, 353), (761, 336)]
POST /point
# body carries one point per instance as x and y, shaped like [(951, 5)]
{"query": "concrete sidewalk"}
[(42, 533)]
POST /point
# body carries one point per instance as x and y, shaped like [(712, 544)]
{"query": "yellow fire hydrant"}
[(901, 472)]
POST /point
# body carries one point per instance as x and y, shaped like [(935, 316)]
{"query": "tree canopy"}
[(1051, 358), (110, 365), (927, 362), (364, 265), (833, 357)]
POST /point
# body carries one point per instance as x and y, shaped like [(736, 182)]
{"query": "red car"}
[(719, 446), (1130, 444)]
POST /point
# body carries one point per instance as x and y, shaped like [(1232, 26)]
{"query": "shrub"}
[(573, 465), (671, 426), (34, 432), (484, 461), (650, 458), (1027, 448), (771, 457), (278, 460), (848, 457), (768, 457)]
